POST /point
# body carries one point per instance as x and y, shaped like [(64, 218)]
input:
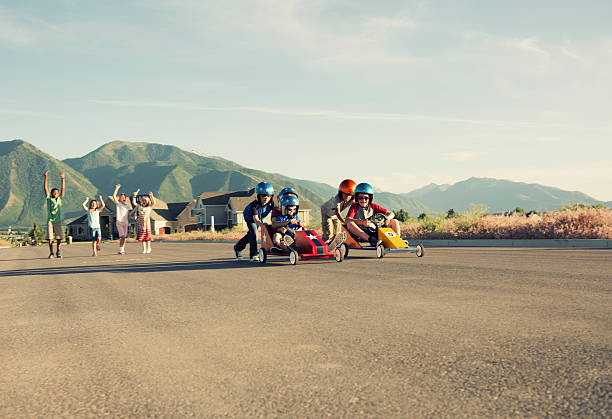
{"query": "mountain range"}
[(176, 175)]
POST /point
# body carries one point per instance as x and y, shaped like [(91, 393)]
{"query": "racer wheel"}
[(380, 250), (338, 255), (293, 257), (420, 250), (263, 255)]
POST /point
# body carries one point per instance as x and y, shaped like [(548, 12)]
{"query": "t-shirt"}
[(359, 213), (286, 218), (54, 209), (122, 212), (328, 209), (255, 208), (93, 219)]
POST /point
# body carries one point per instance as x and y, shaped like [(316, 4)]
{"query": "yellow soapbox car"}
[(388, 241)]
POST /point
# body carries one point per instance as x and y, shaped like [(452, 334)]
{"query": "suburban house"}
[(226, 208), (166, 218)]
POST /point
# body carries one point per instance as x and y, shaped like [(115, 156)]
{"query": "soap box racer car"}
[(307, 245), (388, 241)]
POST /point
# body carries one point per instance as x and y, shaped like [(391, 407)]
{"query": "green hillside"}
[(497, 195), (22, 200), (177, 175)]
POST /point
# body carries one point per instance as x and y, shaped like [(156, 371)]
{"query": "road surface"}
[(188, 331)]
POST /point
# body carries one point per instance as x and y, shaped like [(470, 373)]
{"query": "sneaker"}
[(337, 241), (58, 255), (288, 240), (121, 252), (238, 254), (254, 258), (51, 255), (373, 241), (148, 250)]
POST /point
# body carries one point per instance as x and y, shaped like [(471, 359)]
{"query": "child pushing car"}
[(253, 214)]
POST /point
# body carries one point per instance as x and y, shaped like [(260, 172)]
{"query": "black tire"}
[(380, 251), (263, 255), (338, 255), (420, 250), (294, 257)]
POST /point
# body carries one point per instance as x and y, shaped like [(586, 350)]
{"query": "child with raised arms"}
[(122, 211), (93, 222)]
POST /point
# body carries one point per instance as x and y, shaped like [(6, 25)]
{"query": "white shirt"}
[(122, 212)]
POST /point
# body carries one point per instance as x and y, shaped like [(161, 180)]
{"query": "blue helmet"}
[(264, 188), (289, 200), (364, 188), (286, 191)]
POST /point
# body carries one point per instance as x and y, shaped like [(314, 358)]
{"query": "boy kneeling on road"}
[(360, 215)]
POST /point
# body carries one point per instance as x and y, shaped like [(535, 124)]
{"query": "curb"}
[(535, 243)]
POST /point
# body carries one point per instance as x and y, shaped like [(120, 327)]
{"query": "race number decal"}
[(390, 234)]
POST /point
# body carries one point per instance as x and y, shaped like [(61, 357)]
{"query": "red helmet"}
[(347, 186)]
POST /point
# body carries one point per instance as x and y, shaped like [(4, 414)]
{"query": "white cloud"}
[(544, 140), (14, 31), (462, 156), (334, 114)]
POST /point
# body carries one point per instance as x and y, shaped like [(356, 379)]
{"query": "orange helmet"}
[(347, 186)]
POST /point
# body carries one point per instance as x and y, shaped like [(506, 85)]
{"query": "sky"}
[(399, 94)]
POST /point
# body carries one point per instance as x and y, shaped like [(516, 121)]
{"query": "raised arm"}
[(46, 184), (102, 204), (63, 176), (134, 195), (152, 198), (117, 186), (84, 204)]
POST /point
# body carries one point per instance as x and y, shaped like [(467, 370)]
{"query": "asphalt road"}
[(188, 331)]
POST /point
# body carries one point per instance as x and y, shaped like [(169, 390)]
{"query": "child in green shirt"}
[(54, 214)]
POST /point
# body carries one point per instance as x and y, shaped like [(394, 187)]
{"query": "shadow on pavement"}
[(137, 267)]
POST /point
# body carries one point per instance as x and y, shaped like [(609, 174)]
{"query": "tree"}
[(519, 210), (401, 215), (451, 213), (36, 234), (422, 216)]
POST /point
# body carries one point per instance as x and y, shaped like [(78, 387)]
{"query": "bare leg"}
[(355, 229), (395, 226), (93, 248), (50, 246)]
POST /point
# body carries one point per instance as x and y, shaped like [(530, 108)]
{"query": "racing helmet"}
[(364, 188), (347, 186), (290, 200), (264, 188), (286, 191)]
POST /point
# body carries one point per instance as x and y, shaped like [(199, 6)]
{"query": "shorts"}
[(330, 226), (122, 228), (95, 233), (54, 231)]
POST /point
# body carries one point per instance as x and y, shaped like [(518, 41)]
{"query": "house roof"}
[(222, 197)]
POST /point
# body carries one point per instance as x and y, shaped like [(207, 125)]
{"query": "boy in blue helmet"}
[(360, 214), (253, 214), (276, 211), (287, 222)]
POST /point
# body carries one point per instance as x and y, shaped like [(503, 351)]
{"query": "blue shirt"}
[(255, 208), (287, 218)]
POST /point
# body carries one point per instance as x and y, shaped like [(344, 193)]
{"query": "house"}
[(227, 208), (166, 218)]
